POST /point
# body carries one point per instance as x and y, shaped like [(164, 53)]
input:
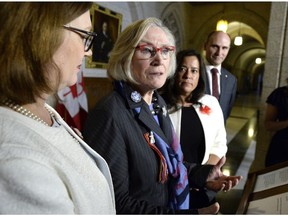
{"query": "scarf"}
[(179, 188), (171, 160)]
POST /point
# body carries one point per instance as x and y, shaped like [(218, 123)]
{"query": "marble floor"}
[(241, 129)]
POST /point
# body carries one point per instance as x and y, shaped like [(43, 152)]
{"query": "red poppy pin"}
[(205, 109)]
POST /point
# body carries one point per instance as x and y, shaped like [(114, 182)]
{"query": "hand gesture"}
[(217, 181)]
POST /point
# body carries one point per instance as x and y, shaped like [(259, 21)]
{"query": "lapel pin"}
[(164, 110), (151, 136), (135, 96)]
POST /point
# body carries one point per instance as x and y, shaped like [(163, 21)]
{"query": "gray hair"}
[(119, 66)]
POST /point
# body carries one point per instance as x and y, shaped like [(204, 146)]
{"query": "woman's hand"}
[(217, 181), (212, 209)]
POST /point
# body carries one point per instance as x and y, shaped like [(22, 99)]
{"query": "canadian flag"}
[(73, 104)]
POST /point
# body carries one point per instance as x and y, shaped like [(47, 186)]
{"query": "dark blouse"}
[(278, 148), (192, 136)]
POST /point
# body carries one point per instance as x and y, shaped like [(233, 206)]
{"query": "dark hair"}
[(170, 91), (31, 32)]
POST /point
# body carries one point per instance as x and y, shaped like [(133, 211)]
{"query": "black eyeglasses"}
[(88, 40)]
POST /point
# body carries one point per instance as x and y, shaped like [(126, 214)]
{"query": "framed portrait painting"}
[(107, 24)]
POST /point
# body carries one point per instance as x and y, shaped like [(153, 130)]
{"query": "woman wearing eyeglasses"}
[(131, 129), (45, 167)]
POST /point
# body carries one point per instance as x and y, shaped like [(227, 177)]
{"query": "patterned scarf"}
[(179, 191), (171, 161)]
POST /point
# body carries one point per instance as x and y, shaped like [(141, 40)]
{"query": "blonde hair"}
[(119, 65)]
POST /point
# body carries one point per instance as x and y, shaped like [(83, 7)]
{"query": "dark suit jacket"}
[(101, 47), (115, 131), (228, 87)]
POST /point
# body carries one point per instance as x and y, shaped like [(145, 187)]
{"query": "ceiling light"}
[(238, 40), (258, 60), (222, 25)]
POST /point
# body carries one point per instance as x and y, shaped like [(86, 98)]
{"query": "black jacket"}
[(116, 133)]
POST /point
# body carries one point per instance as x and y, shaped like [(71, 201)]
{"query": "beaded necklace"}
[(26, 112), (9, 103), (155, 107)]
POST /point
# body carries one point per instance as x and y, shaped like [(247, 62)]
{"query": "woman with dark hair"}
[(276, 121), (45, 167), (196, 117)]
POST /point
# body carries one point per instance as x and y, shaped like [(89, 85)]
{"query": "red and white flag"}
[(73, 104)]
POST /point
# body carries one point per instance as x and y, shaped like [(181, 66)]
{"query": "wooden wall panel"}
[(96, 88)]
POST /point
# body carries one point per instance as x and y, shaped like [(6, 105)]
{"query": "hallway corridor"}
[(241, 138)]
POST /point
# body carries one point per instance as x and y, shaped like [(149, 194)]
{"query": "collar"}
[(132, 97), (145, 116), (209, 67)]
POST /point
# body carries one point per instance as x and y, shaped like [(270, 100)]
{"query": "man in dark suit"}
[(217, 47), (103, 45)]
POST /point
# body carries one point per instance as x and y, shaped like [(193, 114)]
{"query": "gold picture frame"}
[(103, 20)]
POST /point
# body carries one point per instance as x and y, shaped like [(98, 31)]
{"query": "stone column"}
[(275, 73)]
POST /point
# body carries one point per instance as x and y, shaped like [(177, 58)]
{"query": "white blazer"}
[(44, 171), (213, 126)]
